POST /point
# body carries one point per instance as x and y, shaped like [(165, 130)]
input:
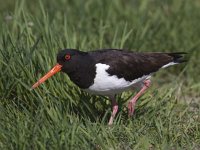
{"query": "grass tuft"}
[(58, 115)]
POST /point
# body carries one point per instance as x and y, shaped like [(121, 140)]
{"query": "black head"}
[(69, 59), (67, 55)]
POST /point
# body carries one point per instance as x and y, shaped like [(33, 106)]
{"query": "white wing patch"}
[(105, 84), (169, 64)]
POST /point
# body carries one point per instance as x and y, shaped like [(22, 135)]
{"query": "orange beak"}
[(53, 71)]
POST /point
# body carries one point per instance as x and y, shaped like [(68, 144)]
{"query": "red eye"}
[(67, 57)]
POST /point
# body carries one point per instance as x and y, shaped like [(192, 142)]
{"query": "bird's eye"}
[(67, 57)]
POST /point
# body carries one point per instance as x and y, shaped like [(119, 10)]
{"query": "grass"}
[(58, 115)]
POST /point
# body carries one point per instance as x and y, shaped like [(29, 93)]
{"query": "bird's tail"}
[(177, 58)]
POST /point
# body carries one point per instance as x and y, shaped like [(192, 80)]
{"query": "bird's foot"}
[(131, 108)]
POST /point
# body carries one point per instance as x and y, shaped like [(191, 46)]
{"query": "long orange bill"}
[(53, 71)]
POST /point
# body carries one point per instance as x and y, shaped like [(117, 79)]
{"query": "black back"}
[(131, 65)]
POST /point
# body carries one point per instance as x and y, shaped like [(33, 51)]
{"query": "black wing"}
[(133, 65)]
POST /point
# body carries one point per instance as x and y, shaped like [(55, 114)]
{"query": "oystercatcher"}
[(111, 71)]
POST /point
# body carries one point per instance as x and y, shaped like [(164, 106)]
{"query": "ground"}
[(58, 115)]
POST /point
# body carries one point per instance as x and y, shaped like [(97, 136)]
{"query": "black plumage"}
[(124, 64)]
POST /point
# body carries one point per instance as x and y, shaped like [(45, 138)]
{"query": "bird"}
[(109, 72)]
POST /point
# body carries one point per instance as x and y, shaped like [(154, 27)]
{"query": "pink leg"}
[(114, 110), (132, 102)]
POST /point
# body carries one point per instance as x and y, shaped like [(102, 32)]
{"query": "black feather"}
[(178, 57)]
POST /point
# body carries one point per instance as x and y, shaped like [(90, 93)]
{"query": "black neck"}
[(83, 72)]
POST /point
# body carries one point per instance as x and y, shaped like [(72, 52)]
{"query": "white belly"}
[(104, 84)]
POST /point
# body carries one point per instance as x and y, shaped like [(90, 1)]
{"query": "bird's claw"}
[(130, 109)]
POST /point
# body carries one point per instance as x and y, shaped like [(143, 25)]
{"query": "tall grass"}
[(58, 115)]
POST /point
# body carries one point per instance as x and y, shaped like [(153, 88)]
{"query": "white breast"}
[(104, 84)]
